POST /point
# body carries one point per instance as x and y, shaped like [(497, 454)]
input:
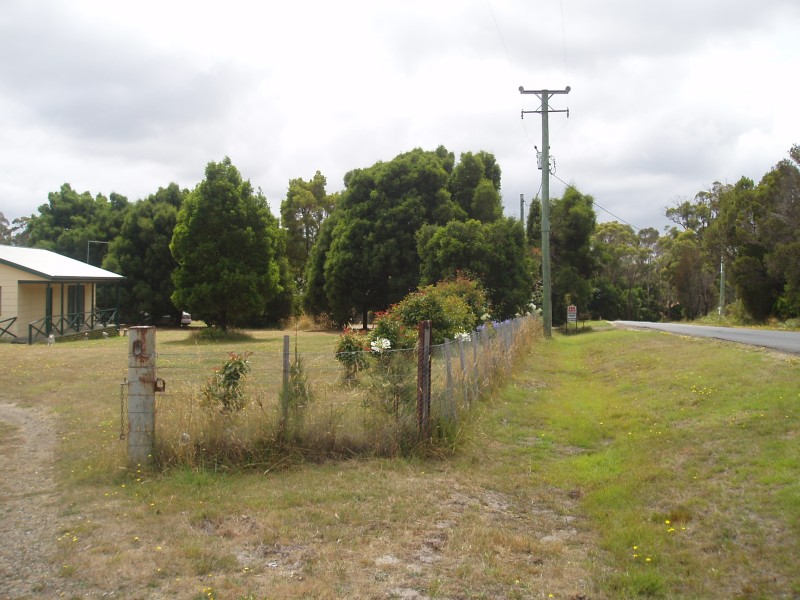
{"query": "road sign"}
[(572, 314)]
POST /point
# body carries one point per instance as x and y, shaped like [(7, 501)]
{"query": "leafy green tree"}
[(533, 224), (782, 188), (757, 231), (226, 243), (445, 251), (303, 210), (70, 220), (284, 304), (447, 158), (691, 276), (368, 257), (486, 202), (314, 300), (5, 230), (19, 232), (736, 235), (141, 253), (496, 254), (627, 282), (573, 264), (616, 248), (510, 279), (475, 186)]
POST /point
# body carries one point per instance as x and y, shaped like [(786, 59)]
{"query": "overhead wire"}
[(620, 219), (566, 122), (500, 33), (566, 77), (566, 70)]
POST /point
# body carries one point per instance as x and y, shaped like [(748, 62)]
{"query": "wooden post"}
[(285, 361), (141, 394), (424, 378)]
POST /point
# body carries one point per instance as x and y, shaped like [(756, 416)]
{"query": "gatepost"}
[(142, 385)]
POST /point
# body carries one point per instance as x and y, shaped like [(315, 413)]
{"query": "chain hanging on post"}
[(123, 400)]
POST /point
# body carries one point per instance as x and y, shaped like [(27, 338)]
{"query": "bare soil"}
[(30, 500)]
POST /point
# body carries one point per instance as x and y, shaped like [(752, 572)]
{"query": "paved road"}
[(785, 341)]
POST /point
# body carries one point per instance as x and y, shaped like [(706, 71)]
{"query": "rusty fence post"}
[(424, 378), (141, 394)]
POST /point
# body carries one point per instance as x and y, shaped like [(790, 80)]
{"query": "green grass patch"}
[(684, 455)]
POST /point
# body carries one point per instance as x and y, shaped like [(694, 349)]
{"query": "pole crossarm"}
[(541, 95), (538, 112)]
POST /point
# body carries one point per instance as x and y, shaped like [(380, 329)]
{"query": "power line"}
[(500, 33), (620, 219)]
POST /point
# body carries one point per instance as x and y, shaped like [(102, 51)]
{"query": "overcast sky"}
[(127, 97)]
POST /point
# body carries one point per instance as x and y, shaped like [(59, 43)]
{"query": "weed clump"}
[(225, 388)]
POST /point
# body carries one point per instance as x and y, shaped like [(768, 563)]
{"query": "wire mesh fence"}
[(307, 404)]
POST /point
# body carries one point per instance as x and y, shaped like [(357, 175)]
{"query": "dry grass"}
[(593, 446)]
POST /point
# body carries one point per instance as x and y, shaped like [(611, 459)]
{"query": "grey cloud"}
[(92, 85)]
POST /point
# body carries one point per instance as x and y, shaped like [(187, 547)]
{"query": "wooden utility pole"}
[(547, 292)]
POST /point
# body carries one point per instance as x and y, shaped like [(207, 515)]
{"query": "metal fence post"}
[(141, 394), (476, 379), (424, 378), (450, 413), (465, 381)]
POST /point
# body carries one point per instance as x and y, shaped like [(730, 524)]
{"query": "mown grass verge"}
[(684, 456)]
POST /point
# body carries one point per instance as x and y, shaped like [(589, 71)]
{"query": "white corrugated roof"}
[(51, 265)]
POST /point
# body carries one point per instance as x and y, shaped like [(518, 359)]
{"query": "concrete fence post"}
[(141, 394)]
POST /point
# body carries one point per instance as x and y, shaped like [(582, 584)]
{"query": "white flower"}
[(380, 344), (463, 336)]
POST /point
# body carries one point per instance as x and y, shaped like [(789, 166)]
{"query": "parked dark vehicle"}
[(182, 319)]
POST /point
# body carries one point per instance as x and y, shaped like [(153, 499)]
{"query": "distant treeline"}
[(218, 252)]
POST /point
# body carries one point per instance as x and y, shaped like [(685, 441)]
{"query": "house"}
[(43, 293)]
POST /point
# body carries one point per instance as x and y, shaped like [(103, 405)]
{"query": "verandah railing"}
[(5, 325), (71, 323)]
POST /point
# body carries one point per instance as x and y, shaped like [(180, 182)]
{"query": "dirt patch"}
[(29, 500)]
